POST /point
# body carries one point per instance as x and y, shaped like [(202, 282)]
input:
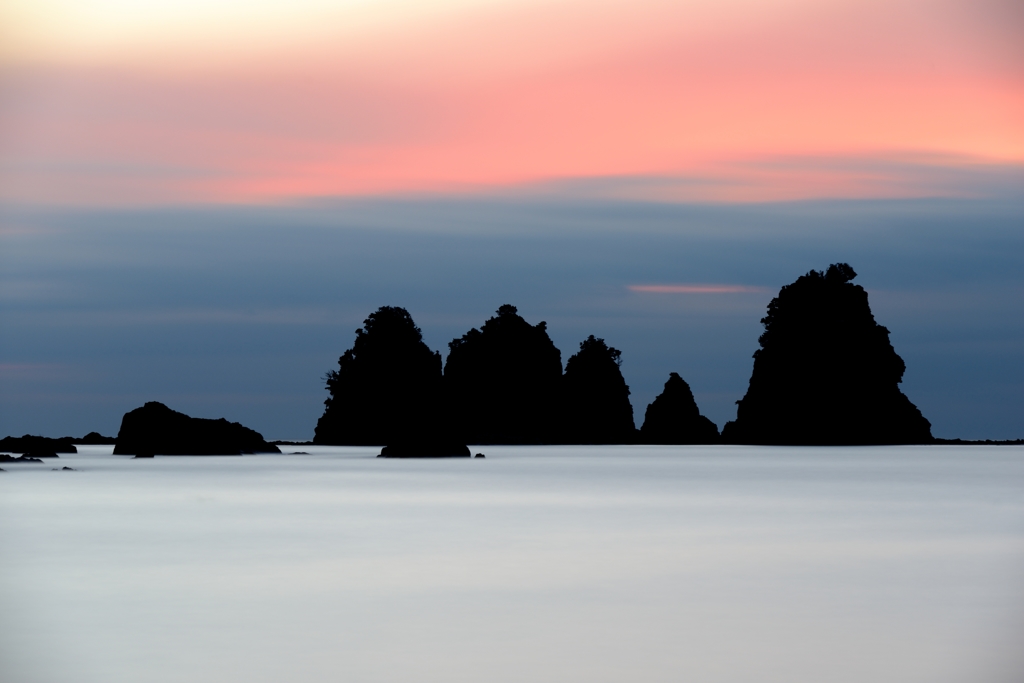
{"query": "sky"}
[(200, 201)]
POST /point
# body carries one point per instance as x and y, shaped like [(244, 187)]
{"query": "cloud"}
[(693, 289)]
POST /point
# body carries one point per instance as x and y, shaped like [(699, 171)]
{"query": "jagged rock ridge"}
[(673, 417)]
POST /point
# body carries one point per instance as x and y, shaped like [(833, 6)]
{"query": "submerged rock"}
[(425, 450), (155, 429), (673, 417), (826, 373)]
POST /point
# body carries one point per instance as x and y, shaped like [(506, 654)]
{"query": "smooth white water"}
[(591, 564)]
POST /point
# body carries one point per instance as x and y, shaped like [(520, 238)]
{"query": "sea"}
[(704, 564)]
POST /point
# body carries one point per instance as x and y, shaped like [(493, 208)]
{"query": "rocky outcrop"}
[(673, 417), (826, 373), (425, 450), (96, 439), (595, 398), (40, 444), (23, 458), (155, 429), (502, 382), (387, 391)]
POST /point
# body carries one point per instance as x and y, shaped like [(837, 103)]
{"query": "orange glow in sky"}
[(114, 103)]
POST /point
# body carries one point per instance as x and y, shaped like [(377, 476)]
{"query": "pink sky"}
[(739, 100)]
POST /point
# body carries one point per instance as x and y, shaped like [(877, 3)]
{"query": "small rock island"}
[(155, 429)]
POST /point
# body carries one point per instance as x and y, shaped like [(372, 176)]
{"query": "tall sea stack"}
[(502, 382), (826, 373), (387, 391), (673, 417), (595, 398)]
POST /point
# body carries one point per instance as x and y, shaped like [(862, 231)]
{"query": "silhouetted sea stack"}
[(387, 391), (155, 429), (595, 398), (826, 373), (502, 382), (673, 417), (38, 444)]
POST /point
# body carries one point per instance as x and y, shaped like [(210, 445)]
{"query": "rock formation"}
[(23, 458), (673, 417), (39, 444), (826, 372), (95, 438), (387, 391), (156, 429), (502, 382), (595, 398)]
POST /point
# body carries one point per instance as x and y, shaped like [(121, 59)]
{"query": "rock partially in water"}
[(425, 450), (64, 469), (595, 397), (673, 417), (42, 454), (479, 455), (96, 439), (37, 444), (22, 458), (502, 382), (387, 388), (826, 373), (155, 429)]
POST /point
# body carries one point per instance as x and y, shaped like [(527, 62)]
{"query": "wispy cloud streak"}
[(694, 289)]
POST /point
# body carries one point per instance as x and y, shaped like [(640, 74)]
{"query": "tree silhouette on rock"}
[(502, 381), (595, 398), (673, 417), (826, 372), (387, 391)]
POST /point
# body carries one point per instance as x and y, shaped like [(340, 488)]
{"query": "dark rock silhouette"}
[(388, 390), (41, 454), (502, 382), (826, 373), (155, 429), (96, 439), (595, 398), (41, 444), (673, 417), (425, 449), (24, 458)]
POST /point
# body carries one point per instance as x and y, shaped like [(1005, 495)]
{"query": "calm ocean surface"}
[(590, 564)]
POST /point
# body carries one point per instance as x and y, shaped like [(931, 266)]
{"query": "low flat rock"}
[(36, 444), (155, 429)]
